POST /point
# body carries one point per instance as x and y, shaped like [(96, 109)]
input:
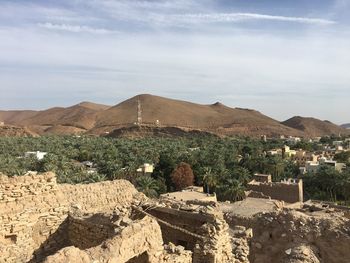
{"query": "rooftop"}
[(193, 193)]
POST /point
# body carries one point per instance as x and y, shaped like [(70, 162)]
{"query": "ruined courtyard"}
[(42, 221)]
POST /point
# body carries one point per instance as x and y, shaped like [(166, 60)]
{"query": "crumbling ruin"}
[(310, 232), (290, 190), (42, 221)]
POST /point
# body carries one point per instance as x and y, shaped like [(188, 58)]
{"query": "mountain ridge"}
[(98, 119), (314, 127)]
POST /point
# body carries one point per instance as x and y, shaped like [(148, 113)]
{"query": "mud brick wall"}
[(290, 193), (31, 210)]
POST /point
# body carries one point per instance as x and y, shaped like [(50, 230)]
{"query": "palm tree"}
[(232, 190), (147, 185), (209, 179)]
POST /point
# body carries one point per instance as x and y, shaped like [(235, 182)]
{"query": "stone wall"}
[(205, 233), (102, 196), (90, 231), (216, 246), (31, 210), (192, 222), (103, 221), (288, 192), (142, 238), (34, 212)]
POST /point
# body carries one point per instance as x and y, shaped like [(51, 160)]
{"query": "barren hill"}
[(80, 117), (16, 116), (176, 113), (314, 127), (14, 131), (155, 111)]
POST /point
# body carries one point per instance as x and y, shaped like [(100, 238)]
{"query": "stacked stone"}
[(139, 237), (176, 254), (240, 243), (216, 247), (31, 209), (84, 233), (34, 211), (100, 197)]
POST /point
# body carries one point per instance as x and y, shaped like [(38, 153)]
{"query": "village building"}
[(337, 143), (145, 169), (334, 164), (284, 152), (88, 164), (287, 152), (38, 155), (293, 140), (301, 157), (313, 167), (289, 190)]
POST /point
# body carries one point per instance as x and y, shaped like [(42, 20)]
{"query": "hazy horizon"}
[(282, 58)]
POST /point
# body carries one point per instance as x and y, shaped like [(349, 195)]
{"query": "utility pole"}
[(139, 112)]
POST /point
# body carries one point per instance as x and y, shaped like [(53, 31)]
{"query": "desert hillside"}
[(80, 117), (314, 127), (176, 113), (98, 119), (14, 131)]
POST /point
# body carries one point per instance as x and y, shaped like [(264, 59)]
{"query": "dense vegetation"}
[(222, 165)]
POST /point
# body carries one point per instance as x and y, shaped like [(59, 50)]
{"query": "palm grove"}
[(221, 165)]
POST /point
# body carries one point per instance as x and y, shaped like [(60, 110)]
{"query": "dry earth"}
[(98, 119)]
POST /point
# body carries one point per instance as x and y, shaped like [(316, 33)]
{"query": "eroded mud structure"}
[(42, 221)]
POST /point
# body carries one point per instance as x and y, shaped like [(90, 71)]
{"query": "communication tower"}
[(139, 112)]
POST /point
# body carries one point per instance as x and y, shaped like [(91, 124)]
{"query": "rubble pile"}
[(307, 234), (240, 243)]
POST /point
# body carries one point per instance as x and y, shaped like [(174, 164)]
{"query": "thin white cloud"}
[(75, 28), (237, 17)]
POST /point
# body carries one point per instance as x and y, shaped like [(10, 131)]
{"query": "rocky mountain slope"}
[(314, 127)]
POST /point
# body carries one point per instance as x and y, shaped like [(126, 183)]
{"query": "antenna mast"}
[(139, 112)]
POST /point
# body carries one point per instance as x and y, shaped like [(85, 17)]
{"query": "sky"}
[(283, 58)]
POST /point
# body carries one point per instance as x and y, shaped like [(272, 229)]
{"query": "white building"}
[(38, 155), (311, 167), (146, 168), (88, 164), (293, 140), (338, 143)]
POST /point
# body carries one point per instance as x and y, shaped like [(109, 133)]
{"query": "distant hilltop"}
[(345, 126), (147, 110)]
